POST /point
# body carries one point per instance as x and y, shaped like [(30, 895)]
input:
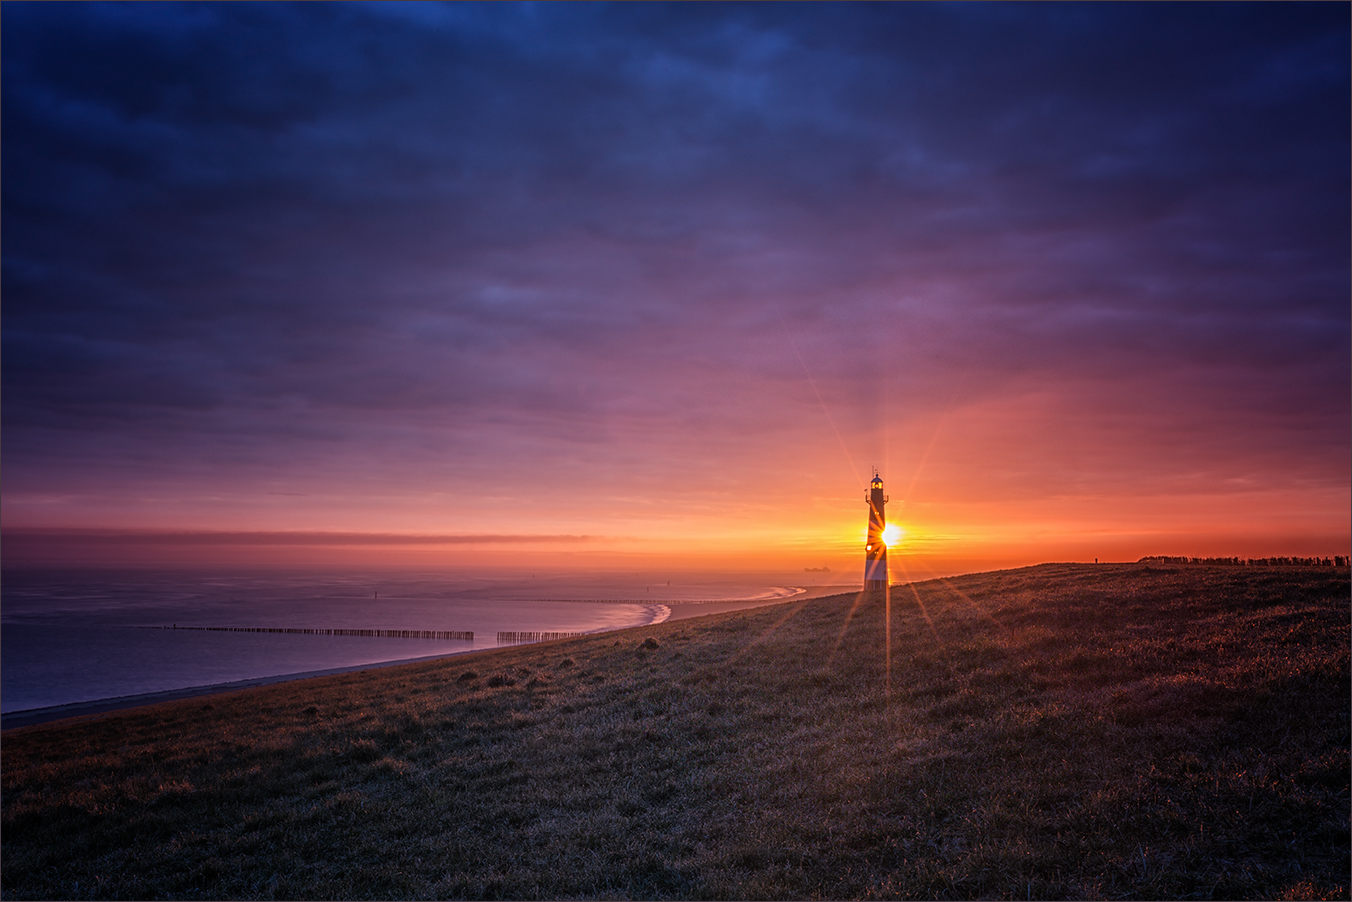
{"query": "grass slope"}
[(1162, 731)]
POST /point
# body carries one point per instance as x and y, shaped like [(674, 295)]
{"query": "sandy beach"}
[(685, 610)]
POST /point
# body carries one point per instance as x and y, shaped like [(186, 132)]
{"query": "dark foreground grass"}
[(1163, 731)]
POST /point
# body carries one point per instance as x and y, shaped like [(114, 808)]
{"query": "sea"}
[(70, 636)]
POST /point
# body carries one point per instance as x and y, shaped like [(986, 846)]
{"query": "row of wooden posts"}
[(390, 634), (534, 636), (503, 637)]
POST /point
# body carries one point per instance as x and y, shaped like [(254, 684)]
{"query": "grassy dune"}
[(1164, 731)]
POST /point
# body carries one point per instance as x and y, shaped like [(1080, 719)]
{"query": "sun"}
[(891, 534)]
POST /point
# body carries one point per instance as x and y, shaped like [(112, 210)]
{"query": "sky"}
[(643, 285)]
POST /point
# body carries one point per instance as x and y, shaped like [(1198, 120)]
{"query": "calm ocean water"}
[(74, 636)]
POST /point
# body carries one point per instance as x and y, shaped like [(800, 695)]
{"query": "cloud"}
[(309, 238)]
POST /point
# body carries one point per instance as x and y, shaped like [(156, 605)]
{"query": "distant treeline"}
[(1335, 561)]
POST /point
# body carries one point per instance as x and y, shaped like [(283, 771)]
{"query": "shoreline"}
[(33, 716)]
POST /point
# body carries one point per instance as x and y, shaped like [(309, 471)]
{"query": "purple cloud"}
[(439, 242)]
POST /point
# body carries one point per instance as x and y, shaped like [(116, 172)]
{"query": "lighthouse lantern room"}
[(875, 551)]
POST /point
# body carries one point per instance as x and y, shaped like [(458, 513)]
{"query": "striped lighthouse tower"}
[(875, 552)]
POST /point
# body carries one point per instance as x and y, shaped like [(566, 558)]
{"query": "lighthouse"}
[(875, 552)]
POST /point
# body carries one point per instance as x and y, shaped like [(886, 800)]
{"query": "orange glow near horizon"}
[(970, 504), (795, 542)]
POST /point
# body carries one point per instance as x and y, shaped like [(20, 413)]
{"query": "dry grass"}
[(1143, 731)]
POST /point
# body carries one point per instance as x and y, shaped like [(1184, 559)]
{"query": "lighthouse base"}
[(875, 572)]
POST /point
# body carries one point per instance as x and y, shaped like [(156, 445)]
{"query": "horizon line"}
[(109, 536)]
